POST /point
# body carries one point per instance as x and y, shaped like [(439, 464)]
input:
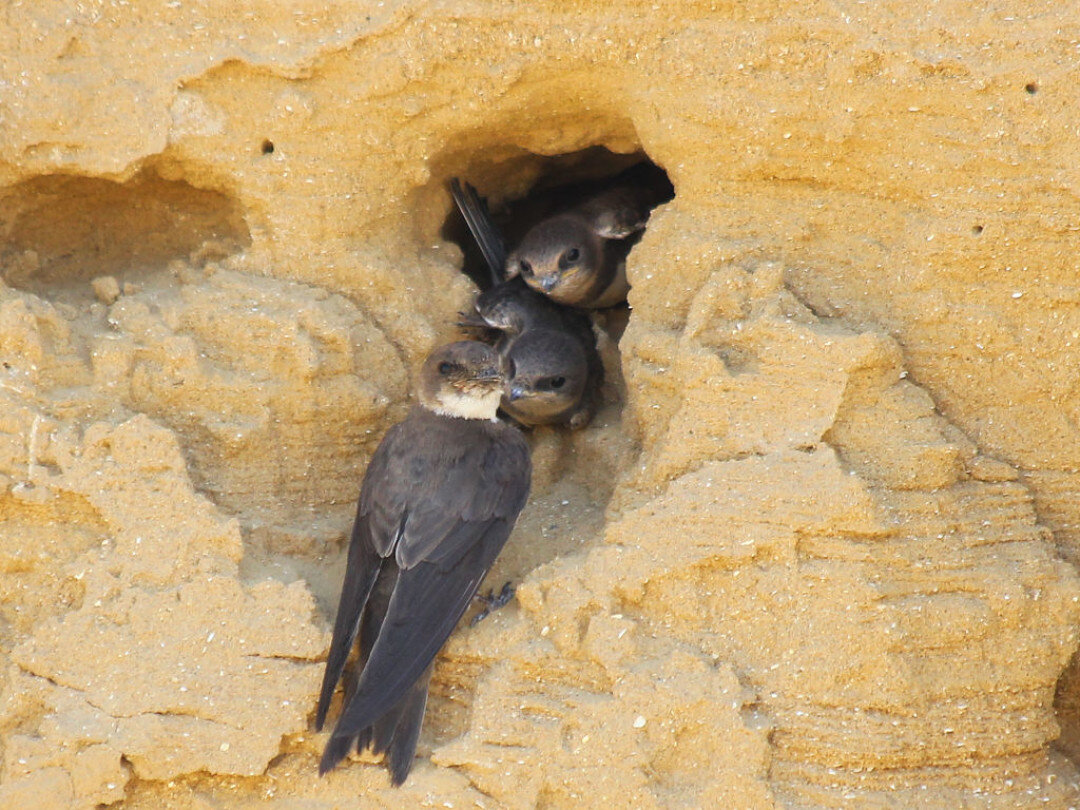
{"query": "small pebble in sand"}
[(106, 288)]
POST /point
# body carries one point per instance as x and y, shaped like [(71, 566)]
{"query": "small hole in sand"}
[(1031, 88), (976, 229), (267, 147)]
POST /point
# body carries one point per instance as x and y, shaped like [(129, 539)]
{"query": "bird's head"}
[(547, 372), (558, 257), (463, 379), (505, 307)]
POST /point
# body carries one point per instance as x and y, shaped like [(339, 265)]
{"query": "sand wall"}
[(816, 551)]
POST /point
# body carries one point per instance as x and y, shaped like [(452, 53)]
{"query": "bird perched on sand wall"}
[(439, 499)]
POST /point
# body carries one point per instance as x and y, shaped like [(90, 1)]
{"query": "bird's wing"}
[(360, 571), (616, 213), (460, 520), (373, 538), (483, 228), (426, 605), (474, 487)]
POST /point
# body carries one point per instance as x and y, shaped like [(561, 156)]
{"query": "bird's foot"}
[(492, 602)]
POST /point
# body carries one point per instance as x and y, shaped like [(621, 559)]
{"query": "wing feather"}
[(426, 605), (486, 480), (360, 571), (483, 229)]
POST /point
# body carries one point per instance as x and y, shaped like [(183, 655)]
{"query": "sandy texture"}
[(817, 551)]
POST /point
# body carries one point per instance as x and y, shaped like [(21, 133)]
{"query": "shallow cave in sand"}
[(61, 232)]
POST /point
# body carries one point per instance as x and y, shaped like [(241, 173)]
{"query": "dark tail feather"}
[(483, 229), (394, 734), (382, 730), (403, 747), (349, 680), (363, 740), (362, 567), (388, 727), (336, 750)]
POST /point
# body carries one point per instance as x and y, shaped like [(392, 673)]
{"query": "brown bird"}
[(555, 371), (439, 499), (578, 257), (545, 393)]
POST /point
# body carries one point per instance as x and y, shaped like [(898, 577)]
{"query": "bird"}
[(555, 374), (438, 501), (555, 371), (543, 392), (578, 257)]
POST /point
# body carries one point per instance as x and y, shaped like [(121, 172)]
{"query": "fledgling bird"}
[(439, 499), (555, 374), (546, 393), (555, 371), (578, 257)]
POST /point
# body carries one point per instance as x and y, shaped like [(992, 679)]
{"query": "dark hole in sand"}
[(561, 182)]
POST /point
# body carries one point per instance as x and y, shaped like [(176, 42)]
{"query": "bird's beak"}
[(516, 393), (547, 283), (492, 374)]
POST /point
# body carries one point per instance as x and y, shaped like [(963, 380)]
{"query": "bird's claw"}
[(492, 602)]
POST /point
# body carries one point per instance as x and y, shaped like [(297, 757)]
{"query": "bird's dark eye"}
[(572, 255), (558, 382), (526, 268), (445, 367)]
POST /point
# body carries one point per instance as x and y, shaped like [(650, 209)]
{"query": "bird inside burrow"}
[(567, 264)]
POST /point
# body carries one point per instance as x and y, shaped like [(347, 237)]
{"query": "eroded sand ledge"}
[(812, 553)]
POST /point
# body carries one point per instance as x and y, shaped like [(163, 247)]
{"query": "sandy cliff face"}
[(818, 549)]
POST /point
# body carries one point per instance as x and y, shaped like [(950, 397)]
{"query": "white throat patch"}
[(465, 407)]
